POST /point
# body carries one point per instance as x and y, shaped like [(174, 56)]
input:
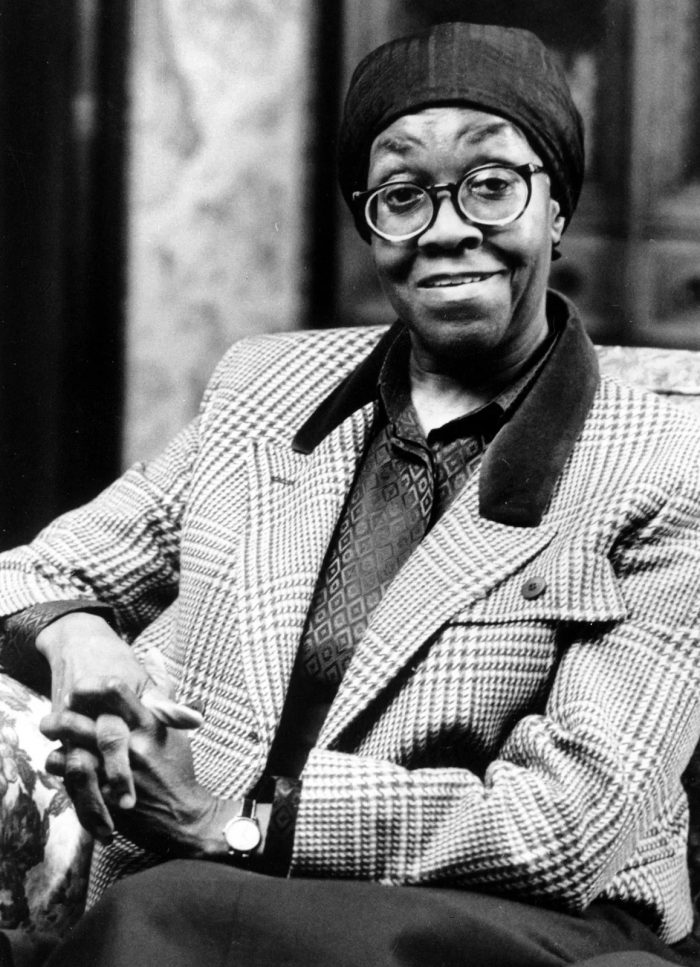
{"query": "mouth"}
[(452, 280)]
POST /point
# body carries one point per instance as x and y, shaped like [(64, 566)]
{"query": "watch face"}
[(243, 834)]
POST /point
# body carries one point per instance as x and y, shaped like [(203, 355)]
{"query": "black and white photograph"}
[(349, 483)]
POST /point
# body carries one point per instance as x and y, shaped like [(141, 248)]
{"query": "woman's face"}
[(468, 294)]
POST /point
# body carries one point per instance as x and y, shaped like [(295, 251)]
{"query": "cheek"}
[(391, 262), (531, 252), (531, 243)]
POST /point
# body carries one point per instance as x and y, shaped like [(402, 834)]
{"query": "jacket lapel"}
[(462, 559), (524, 461), (294, 505)]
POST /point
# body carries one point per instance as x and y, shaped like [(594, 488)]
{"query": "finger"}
[(71, 728), (81, 783), (56, 762), (113, 744), (108, 735), (112, 696), (171, 713)]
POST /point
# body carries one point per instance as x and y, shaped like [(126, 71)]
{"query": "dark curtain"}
[(62, 240)]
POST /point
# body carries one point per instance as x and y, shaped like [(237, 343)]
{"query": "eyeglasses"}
[(491, 194)]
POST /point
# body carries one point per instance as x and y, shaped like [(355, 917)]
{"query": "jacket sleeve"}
[(121, 549), (574, 790)]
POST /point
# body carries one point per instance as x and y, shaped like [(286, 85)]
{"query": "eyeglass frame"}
[(361, 199)]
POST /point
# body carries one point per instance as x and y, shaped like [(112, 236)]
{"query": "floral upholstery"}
[(44, 853), (45, 856)]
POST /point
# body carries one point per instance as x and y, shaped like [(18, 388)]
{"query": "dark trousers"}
[(191, 913)]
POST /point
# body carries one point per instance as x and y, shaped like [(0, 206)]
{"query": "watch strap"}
[(279, 840), (248, 809)]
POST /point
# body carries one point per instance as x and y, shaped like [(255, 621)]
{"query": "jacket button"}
[(533, 588)]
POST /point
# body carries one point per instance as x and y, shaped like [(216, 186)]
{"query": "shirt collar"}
[(523, 462), (394, 393)]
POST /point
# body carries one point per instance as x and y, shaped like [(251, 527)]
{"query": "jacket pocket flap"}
[(562, 585)]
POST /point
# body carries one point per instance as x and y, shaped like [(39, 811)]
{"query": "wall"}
[(220, 96)]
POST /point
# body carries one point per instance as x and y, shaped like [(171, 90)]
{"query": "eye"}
[(493, 183), (400, 198)]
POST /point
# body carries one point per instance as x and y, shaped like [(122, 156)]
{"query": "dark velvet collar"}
[(523, 462), (358, 388)]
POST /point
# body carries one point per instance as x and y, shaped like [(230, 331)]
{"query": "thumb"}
[(155, 668), (159, 692), (170, 712)]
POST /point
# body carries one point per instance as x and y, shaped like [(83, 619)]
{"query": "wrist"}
[(207, 838)]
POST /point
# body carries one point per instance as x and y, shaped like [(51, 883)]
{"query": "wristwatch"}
[(242, 833)]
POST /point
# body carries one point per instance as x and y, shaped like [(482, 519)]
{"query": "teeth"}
[(462, 280)]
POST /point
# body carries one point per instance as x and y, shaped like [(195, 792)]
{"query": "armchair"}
[(44, 852)]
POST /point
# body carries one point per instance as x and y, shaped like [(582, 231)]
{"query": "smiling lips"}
[(447, 280)]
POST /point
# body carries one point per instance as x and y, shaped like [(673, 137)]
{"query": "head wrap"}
[(501, 70)]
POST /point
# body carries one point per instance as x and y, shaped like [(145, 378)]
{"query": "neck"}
[(438, 399), (439, 396)]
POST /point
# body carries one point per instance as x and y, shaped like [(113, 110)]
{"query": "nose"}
[(450, 228)]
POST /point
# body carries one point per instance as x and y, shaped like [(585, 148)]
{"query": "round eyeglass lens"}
[(493, 195), (399, 210)]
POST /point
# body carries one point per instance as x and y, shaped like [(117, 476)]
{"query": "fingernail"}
[(127, 801), (196, 719)]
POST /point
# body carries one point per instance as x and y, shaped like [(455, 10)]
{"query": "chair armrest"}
[(44, 852)]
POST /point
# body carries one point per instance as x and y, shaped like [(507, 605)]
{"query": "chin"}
[(455, 336)]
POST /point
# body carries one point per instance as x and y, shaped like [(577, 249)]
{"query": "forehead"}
[(447, 127)]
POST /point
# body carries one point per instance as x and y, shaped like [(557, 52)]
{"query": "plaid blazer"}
[(519, 712)]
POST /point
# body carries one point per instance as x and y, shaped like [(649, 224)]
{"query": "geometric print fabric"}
[(404, 485)]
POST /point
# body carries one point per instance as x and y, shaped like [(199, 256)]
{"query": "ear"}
[(557, 221)]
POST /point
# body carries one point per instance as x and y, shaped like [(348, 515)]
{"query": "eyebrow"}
[(492, 129), (397, 144)]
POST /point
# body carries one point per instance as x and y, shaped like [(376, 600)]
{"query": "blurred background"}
[(167, 186)]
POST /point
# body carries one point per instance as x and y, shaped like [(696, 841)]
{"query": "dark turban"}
[(501, 70)]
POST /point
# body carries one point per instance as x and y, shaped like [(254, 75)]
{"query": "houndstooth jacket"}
[(516, 718)]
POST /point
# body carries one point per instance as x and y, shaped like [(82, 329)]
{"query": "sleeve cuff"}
[(279, 842), (20, 659)]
